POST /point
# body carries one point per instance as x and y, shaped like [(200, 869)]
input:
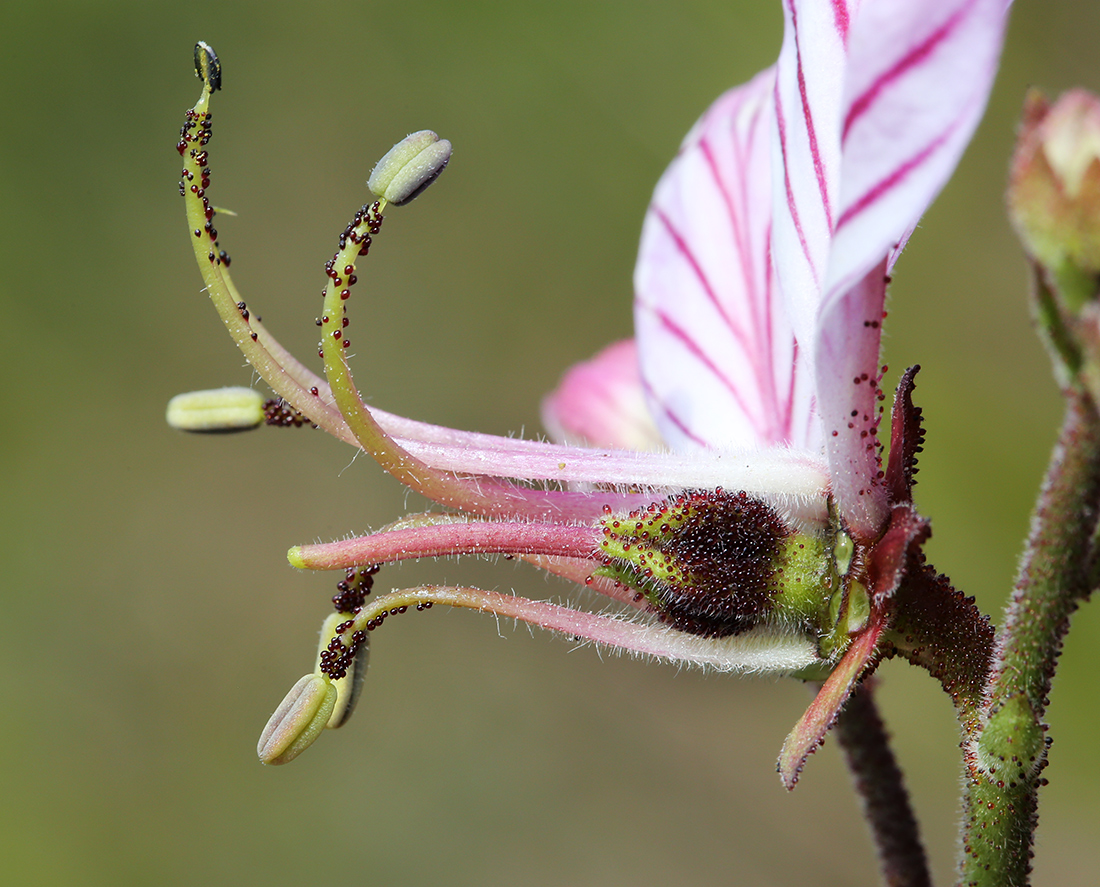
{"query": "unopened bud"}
[(350, 686), (298, 720), (409, 167), (216, 410), (1054, 189)]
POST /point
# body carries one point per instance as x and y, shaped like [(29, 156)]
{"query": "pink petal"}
[(600, 403), (849, 398), (806, 176), (875, 102), (918, 78), (795, 482), (718, 358), (767, 651)]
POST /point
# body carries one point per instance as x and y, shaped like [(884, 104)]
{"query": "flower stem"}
[(1007, 755), (880, 785)]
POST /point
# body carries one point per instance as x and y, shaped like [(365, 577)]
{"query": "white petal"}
[(717, 352)]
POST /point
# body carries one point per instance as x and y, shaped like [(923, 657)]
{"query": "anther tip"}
[(207, 66), (409, 167)]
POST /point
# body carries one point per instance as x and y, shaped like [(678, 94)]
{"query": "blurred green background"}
[(151, 622)]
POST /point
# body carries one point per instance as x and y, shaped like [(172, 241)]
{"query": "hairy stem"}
[(1007, 755), (881, 788)]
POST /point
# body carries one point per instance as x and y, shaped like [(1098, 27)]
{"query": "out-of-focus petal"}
[(600, 403), (718, 356)]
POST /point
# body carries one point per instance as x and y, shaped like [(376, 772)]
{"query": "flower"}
[(721, 476)]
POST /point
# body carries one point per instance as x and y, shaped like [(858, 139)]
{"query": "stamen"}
[(308, 393), (287, 378), (768, 649)]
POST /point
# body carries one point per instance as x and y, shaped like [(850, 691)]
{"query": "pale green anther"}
[(350, 686), (409, 167), (298, 720), (216, 410)]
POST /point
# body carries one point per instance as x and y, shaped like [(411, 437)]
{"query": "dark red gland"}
[(714, 555)]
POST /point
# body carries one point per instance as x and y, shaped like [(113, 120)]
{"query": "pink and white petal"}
[(809, 93), (796, 482), (718, 358), (849, 398), (917, 82), (600, 403)]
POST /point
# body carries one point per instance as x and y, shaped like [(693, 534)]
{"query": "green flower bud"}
[(216, 410), (350, 686), (1054, 190), (409, 167), (298, 720)]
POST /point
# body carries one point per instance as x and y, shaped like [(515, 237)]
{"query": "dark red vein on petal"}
[(792, 207), (740, 244), (656, 402), (779, 410), (811, 132), (883, 187), (840, 15), (688, 255), (788, 412), (692, 347), (910, 60)]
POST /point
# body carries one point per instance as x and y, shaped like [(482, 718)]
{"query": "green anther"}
[(843, 550), (849, 612), (298, 720), (217, 410), (409, 167)]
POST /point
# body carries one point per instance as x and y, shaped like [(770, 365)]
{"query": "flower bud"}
[(298, 720), (1054, 190), (350, 686), (216, 410), (409, 167)]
